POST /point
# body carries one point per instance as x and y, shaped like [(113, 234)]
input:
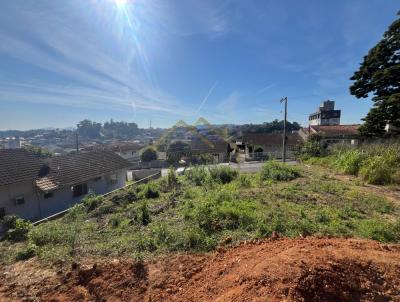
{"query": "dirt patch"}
[(308, 269)]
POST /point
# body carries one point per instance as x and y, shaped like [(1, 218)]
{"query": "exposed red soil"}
[(309, 269)]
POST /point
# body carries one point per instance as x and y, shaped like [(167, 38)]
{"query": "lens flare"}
[(121, 3)]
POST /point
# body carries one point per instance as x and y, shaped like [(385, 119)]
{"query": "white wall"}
[(37, 207), (29, 210)]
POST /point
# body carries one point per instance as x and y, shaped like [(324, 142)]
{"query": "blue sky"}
[(165, 60)]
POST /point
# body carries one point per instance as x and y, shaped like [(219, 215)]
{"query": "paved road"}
[(247, 167)]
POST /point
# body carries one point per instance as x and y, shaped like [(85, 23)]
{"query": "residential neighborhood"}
[(199, 151)]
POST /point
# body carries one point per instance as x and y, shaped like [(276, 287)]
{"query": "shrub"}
[(223, 174), (28, 252), (350, 162), (278, 171), (92, 201), (244, 181), (144, 214), (124, 197), (169, 182), (377, 170), (197, 175), (9, 221), (19, 230), (150, 191)]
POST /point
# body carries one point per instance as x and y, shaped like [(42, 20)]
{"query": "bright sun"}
[(121, 3)]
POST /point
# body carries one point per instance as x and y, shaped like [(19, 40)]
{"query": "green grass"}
[(203, 209), (377, 164)]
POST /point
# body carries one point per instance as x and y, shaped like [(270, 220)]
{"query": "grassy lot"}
[(204, 209), (374, 163)]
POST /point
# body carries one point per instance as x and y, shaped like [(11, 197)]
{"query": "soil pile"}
[(308, 269)]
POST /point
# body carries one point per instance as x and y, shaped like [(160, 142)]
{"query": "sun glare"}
[(121, 3)]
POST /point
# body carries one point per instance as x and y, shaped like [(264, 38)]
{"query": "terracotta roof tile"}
[(264, 139)]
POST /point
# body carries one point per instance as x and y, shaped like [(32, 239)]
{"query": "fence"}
[(62, 213)]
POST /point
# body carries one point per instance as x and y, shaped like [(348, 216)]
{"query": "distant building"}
[(13, 143), (325, 115), (34, 188), (335, 134), (269, 145)]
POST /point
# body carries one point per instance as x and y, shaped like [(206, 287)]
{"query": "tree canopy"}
[(379, 75), (148, 154)]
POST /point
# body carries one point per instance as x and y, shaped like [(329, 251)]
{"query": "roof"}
[(18, 165), (336, 131), (209, 144), (76, 168), (116, 148), (265, 139)]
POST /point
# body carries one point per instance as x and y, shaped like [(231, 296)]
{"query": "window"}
[(97, 178), (113, 179), (79, 190), (2, 213), (48, 195), (19, 200)]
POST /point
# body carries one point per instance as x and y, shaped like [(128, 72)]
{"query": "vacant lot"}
[(203, 211)]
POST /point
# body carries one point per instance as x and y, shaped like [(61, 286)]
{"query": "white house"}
[(34, 188)]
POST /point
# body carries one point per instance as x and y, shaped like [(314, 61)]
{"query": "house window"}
[(79, 190), (2, 213), (97, 178), (113, 179), (48, 195), (19, 200)]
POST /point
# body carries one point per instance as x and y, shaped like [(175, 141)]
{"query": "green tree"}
[(148, 154), (379, 74), (89, 129)]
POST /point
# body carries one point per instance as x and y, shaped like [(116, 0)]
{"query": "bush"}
[(9, 221), (148, 154), (19, 230), (150, 191), (124, 197), (350, 162), (28, 252), (170, 182), (92, 201), (223, 174), (141, 214), (197, 175), (278, 171), (377, 170)]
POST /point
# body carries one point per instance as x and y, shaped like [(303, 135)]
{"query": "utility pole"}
[(284, 130), (77, 141)]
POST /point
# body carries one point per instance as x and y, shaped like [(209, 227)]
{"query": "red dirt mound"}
[(276, 270)]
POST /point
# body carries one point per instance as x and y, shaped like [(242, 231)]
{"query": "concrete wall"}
[(139, 174), (29, 210), (37, 207)]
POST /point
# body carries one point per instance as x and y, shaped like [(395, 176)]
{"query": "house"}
[(128, 151), (336, 134), (34, 188), (269, 145), (213, 145)]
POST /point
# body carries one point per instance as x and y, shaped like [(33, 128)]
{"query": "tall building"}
[(325, 115)]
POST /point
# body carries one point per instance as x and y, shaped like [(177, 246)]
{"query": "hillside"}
[(180, 238)]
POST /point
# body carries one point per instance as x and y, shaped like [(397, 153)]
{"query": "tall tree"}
[(379, 74)]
